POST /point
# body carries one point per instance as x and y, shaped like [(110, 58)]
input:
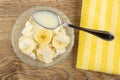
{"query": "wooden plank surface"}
[(11, 68)]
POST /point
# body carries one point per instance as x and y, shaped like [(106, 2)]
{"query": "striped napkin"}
[(94, 53)]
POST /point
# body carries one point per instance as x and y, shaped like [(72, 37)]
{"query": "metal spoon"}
[(99, 33)]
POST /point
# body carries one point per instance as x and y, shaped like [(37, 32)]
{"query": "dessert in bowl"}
[(40, 47)]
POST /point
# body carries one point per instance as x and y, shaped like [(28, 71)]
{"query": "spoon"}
[(105, 35)]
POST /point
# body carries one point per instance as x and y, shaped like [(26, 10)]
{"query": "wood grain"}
[(11, 68)]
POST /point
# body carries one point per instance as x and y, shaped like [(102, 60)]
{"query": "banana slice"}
[(46, 54), (26, 44), (60, 41), (27, 29), (43, 36)]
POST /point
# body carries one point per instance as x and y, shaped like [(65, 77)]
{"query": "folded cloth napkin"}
[(94, 53)]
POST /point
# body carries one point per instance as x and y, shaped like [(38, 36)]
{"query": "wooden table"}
[(11, 68)]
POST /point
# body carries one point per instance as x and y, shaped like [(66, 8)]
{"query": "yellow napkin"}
[(94, 53)]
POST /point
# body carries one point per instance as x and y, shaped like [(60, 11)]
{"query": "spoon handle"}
[(99, 33)]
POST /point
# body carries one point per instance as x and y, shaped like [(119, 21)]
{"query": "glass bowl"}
[(19, 25)]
